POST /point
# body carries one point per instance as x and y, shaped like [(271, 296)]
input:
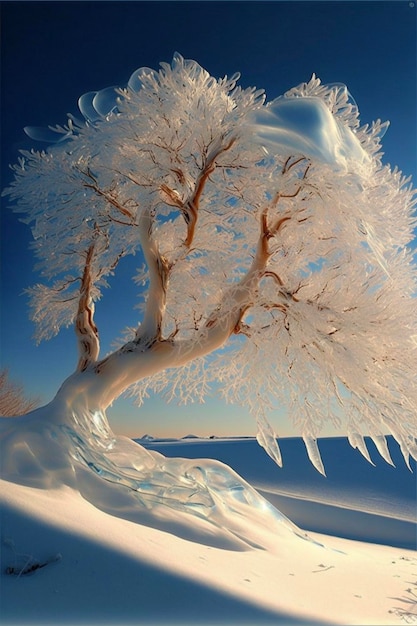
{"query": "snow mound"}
[(121, 477)]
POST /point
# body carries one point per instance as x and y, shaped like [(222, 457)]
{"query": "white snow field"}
[(82, 551)]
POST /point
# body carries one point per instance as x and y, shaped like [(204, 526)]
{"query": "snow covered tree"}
[(277, 254)]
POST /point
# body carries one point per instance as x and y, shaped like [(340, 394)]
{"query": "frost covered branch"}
[(159, 269), (85, 328)]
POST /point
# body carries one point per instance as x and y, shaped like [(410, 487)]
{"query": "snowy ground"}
[(65, 560)]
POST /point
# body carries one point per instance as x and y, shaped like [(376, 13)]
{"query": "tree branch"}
[(222, 322), (158, 266), (229, 314), (133, 361), (107, 195), (193, 204), (85, 328), (159, 270), (190, 207)]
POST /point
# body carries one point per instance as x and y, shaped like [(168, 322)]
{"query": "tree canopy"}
[(277, 248)]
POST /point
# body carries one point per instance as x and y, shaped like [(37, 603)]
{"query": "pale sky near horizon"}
[(52, 52)]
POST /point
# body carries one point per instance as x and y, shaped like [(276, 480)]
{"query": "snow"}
[(307, 126), (360, 500), (107, 562)]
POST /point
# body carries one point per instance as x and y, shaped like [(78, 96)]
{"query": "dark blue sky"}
[(52, 52)]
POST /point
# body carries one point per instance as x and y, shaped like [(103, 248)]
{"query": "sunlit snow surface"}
[(88, 457), (357, 500), (109, 556)]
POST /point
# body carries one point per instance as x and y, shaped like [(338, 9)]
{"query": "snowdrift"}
[(356, 500), (86, 553)]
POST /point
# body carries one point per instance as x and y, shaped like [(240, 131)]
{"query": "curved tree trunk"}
[(98, 386)]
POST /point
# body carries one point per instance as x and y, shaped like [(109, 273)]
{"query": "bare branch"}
[(12, 397)]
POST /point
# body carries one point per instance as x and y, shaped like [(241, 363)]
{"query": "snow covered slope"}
[(355, 500), (93, 558)]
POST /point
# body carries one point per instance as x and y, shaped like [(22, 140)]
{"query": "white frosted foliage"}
[(277, 252)]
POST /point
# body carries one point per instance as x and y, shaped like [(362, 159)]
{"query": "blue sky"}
[(52, 52)]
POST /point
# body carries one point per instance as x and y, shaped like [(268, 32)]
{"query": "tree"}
[(277, 253), (12, 397)]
